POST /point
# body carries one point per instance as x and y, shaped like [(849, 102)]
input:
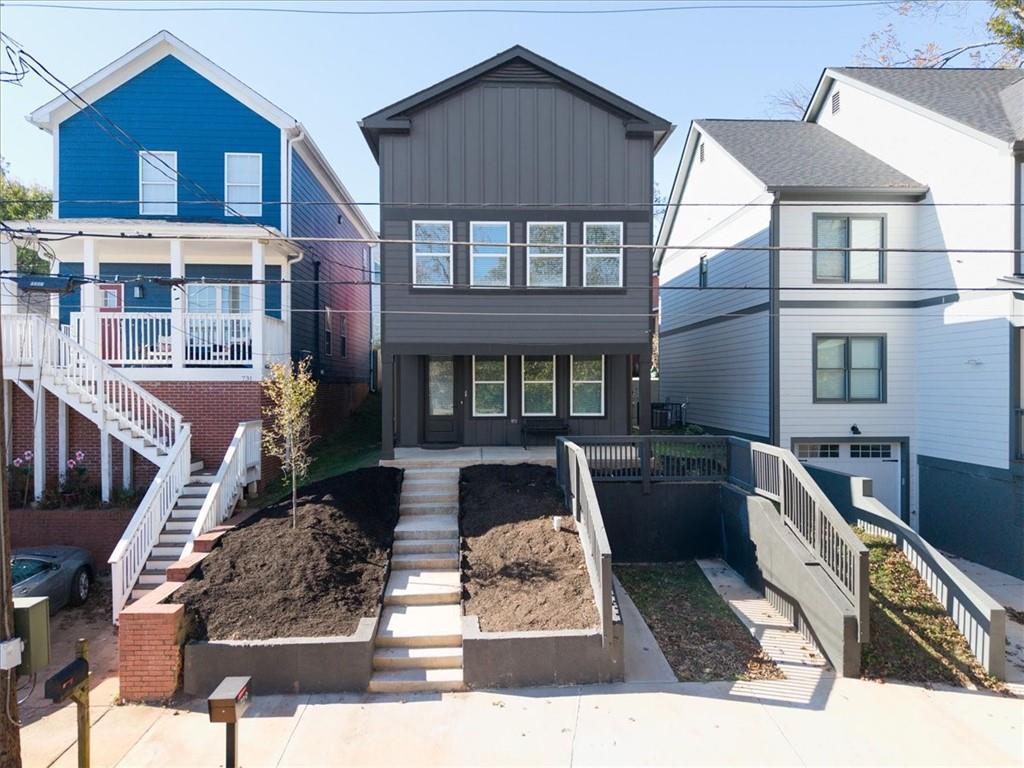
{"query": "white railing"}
[(19, 341), (276, 343), (135, 338), (241, 466), (132, 551), (212, 339)]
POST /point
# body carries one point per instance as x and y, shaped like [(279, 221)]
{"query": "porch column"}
[(9, 265), (39, 442), (178, 319), (62, 441), (644, 394), (55, 297), (286, 306), (8, 419), (387, 405), (126, 467), (90, 297), (106, 464), (258, 294)]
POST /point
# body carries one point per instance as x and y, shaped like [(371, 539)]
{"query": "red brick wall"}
[(150, 639), (97, 530)]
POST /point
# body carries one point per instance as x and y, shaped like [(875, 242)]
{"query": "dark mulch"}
[(268, 580), (519, 573), (702, 639)]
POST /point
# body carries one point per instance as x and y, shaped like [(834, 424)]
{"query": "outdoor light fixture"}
[(138, 293), (854, 429)]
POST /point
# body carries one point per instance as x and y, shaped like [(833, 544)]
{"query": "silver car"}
[(63, 574)]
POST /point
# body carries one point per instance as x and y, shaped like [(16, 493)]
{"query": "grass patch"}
[(912, 637), (702, 639)]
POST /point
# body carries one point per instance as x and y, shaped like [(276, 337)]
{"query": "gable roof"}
[(394, 118), (989, 101)]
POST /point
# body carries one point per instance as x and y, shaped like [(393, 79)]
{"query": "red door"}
[(111, 300)]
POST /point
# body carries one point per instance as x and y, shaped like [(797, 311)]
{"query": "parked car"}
[(63, 574)]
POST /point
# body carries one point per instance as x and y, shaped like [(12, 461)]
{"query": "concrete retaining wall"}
[(519, 659)]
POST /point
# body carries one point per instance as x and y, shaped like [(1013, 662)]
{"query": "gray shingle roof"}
[(987, 100), (795, 154)]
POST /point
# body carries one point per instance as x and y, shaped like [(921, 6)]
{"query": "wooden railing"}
[(212, 339), (655, 458), (275, 341), (241, 466)]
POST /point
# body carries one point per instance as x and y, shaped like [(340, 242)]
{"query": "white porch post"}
[(90, 337), (8, 291), (62, 441), (178, 320), (39, 442), (286, 307), (55, 297), (106, 464), (126, 467), (8, 425), (258, 294)]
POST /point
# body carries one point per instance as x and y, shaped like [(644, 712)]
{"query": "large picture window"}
[(835, 236), (158, 183), (489, 263), (849, 369), (538, 385), (545, 253), (586, 391), (243, 184), (489, 386), (432, 252), (602, 254)]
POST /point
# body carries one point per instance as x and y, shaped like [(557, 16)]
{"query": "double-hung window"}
[(848, 249), (210, 298), (489, 386), (586, 390), (538, 385), (158, 183), (328, 332), (849, 369), (243, 184), (489, 253), (432, 252), (602, 254), (545, 253)]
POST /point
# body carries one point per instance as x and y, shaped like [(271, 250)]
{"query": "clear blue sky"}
[(329, 71)]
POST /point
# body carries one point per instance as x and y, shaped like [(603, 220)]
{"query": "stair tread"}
[(428, 675), (420, 582), (428, 523), (420, 625)]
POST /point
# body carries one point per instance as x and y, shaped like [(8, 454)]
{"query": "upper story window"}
[(243, 184), (432, 252), (209, 298), (849, 369), (545, 253), (848, 249), (489, 263), (602, 254), (158, 183)]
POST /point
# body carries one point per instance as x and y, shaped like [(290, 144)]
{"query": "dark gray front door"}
[(443, 406)]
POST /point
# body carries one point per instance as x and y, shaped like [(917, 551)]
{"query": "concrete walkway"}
[(465, 456)]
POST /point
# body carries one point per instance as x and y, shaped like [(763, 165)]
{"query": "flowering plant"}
[(76, 472), (23, 466)]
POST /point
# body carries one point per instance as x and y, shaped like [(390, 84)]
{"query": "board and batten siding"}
[(167, 107)]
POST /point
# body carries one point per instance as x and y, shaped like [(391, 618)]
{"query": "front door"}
[(111, 301), (443, 407)]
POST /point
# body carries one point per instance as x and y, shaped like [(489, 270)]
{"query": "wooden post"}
[(178, 308), (286, 306), (106, 464), (126, 467), (39, 440), (89, 335), (8, 265), (62, 441), (81, 699), (644, 394), (258, 302)]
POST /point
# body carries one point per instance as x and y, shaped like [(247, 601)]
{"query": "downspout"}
[(774, 306)]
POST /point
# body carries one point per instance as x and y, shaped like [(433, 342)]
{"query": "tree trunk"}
[(295, 504)]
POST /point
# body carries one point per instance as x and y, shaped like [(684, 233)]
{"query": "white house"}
[(843, 285)]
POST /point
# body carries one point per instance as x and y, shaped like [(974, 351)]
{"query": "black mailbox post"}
[(226, 705), (72, 682)]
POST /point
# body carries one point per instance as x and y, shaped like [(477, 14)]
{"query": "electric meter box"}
[(32, 625)]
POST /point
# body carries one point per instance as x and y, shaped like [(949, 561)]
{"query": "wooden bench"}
[(544, 425)]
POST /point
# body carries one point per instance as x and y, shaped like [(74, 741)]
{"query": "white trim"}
[(620, 249), (573, 382), (504, 385), (473, 256), (227, 205), (286, 185), (169, 182), (523, 382), (530, 257), (450, 254), (55, 212)]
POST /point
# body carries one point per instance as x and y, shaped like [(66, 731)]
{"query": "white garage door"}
[(879, 461)]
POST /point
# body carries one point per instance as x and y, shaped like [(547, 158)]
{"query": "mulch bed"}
[(519, 573), (267, 580), (912, 638), (702, 639)]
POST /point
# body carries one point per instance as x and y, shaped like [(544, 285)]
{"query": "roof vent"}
[(835, 102), (700, 151)]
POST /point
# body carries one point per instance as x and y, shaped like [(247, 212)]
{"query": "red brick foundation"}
[(97, 530)]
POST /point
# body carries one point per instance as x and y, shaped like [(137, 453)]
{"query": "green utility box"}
[(32, 625)]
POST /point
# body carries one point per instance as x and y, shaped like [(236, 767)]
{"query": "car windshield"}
[(24, 568)]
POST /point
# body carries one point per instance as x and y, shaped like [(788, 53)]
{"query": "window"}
[(110, 298), (538, 385), (343, 335), (24, 568), (702, 276), (849, 369), (871, 451), (243, 184), (586, 393), (602, 254), (835, 102), (211, 298), (158, 183), (432, 252), (489, 386), (489, 263), (328, 332), (545, 253), (817, 450), (835, 236)]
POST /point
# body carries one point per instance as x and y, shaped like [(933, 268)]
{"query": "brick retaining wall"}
[(150, 639)]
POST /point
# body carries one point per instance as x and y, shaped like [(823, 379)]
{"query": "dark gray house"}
[(515, 298)]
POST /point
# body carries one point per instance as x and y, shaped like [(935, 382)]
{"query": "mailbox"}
[(229, 701), (61, 685)]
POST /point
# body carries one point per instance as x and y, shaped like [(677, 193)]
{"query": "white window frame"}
[(572, 388), (229, 207), (170, 182), (603, 254), (507, 255), (554, 387), (219, 308), (504, 385), (531, 256), (449, 254)]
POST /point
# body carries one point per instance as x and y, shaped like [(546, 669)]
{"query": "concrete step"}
[(425, 561), (406, 546), (428, 509), (141, 591), (423, 587), (417, 681), (427, 527), (409, 626), (417, 496), (433, 472), (440, 657), (152, 579), (158, 564), (430, 483)]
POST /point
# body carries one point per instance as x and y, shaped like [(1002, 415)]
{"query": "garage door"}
[(879, 461)]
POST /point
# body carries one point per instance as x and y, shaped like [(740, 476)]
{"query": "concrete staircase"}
[(419, 639)]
